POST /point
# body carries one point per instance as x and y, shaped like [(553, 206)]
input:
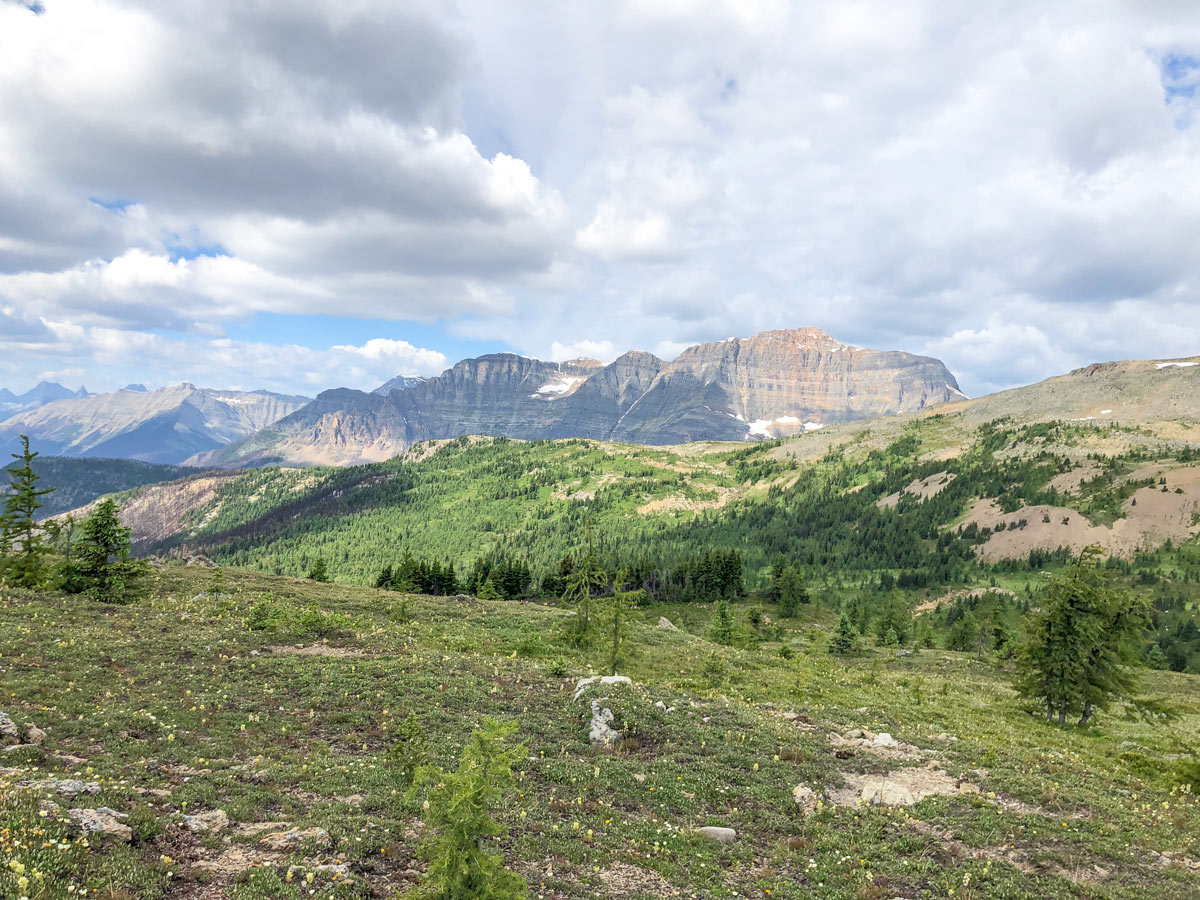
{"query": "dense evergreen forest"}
[(509, 517)]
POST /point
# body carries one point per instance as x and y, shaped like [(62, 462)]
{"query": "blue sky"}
[(307, 196)]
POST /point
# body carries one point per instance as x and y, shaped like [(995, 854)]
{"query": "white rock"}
[(584, 683), (883, 739), (664, 622), (718, 834), (103, 821), (806, 799), (602, 732), (881, 792)]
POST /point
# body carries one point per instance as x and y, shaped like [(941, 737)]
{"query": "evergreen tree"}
[(792, 591), (964, 634), (459, 819), (489, 591), (584, 582), (23, 537), (721, 629), (102, 565), (1083, 644), (845, 638), (614, 624), (319, 571)]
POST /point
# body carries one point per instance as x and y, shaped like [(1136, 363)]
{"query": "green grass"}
[(178, 694)]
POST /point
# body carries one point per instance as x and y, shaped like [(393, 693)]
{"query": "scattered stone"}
[(66, 759), (158, 793), (213, 820), (664, 707), (69, 787), (791, 715), (233, 861), (103, 821), (253, 829), (883, 739), (8, 730), (664, 622), (601, 731), (584, 683), (285, 841), (904, 653), (639, 777), (806, 798), (718, 834)]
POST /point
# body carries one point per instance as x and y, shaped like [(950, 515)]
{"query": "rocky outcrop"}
[(774, 384), (163, 426)]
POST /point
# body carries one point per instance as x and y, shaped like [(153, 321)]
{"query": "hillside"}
[(77, 482), (772, 384), (165, 426), (281, 716)]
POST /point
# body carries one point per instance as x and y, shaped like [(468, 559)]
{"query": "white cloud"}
[(602, 350), (1011, 186)]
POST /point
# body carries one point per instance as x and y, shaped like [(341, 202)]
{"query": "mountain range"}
[(773, 384), (45, 392), (163, 426)]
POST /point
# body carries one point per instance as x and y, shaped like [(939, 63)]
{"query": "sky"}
[(298, 196)]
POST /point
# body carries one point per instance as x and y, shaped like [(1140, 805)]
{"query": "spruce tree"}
[(582, 585), (845, 638), (103, 566), (319, 571), (792, 592), (23, 536)]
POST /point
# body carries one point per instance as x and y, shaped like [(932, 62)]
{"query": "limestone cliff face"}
[(773, 384)]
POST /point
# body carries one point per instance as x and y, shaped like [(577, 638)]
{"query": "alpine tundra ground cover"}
[(254, 736)]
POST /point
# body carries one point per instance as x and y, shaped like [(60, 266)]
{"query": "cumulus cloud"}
[(1010, 186)]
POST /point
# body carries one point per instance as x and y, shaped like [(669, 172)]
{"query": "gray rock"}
[(601, 731), (584, 683), (883, 739), (213, 820), (68, 787), (882, 792), (8, 730), (664, 622), (103, 821), (718, 834)]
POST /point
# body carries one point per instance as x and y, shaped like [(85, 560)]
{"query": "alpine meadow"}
[(449, 460)]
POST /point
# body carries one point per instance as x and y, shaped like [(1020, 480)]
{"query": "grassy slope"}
[(271, 735)]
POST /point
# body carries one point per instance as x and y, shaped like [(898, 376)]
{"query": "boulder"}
[(68, 787), (103, 821), (883, 739), (8, 731), (718, 834), (664, 622), (806, 798), (584, 683), (601, 731), (883, 792), (213, 820)]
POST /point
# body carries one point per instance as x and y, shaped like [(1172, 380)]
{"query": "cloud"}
[(605, 351), (1011, 186)]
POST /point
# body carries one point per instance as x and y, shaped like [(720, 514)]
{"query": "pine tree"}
[(1083, 644), (23, 536), (319, 571), (103, 566), (845, 638), (489, 591), (459, 819)]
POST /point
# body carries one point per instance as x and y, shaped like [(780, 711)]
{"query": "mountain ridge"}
[(773, 384)]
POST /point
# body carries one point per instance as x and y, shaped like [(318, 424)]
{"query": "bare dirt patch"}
[(922, 488), (1070, 482), (624, 880), (677, 502), (318, 649), (903, 787), (1152, 516), (976, 593)]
